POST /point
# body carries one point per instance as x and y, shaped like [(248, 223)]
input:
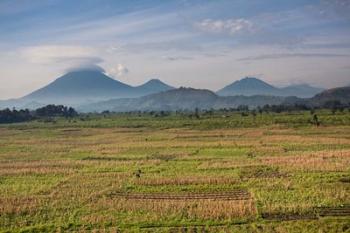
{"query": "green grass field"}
[(139, 173)]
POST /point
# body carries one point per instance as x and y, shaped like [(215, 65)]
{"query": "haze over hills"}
[(252, 86), (190, 99), (180, 99)]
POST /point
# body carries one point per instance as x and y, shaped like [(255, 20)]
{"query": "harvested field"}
[(176, 175)]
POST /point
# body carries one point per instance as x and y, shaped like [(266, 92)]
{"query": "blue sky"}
[(203, 44)]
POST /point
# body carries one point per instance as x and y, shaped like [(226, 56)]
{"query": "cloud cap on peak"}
[(86, 67)]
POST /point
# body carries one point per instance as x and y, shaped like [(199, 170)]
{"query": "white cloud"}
[(55, 53), (230, 26), (177, 58), (66, 57), (118, 71)]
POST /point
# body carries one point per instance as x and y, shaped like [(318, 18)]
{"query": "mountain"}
[(252, 86), (248, 86), (82, 87), (180, 99), (152, 86), (301, 90)]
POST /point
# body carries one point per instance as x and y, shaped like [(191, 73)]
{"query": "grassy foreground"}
[(219, 173)]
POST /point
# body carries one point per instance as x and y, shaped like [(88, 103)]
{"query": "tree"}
[(253, 113), (315, 120), (196, 113), (242, 108)]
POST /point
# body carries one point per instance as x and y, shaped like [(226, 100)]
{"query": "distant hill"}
[(180, 99), (252, 86), (82, 87), (341, 94), (325, 98)]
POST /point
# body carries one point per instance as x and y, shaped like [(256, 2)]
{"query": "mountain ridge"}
[(90, 87), (190, 99), (82, 86)]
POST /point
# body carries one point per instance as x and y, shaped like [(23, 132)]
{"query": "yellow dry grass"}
[(203, 209), (312, 161)]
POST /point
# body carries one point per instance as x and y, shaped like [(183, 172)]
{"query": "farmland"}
[(222, 172)]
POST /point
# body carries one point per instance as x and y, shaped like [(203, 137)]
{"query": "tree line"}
[(13, 116)]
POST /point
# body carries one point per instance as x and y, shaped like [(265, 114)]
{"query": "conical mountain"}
[(80, 86), (153, 86), (248, 86)]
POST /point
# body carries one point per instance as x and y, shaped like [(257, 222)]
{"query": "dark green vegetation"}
[(177, 172), (13, 116)]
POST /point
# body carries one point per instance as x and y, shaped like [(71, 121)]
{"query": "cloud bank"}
[(230, 26), (292, 55)]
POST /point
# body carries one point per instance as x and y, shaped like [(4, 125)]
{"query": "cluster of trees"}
[(283, 108), (13, 116), (333, 105), (55, 111)]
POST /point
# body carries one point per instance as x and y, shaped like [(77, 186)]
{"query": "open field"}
[(219, 173)]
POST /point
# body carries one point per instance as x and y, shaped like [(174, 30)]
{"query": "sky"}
[(191, 43)]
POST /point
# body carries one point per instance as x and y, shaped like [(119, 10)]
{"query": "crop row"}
[(232, 195)]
